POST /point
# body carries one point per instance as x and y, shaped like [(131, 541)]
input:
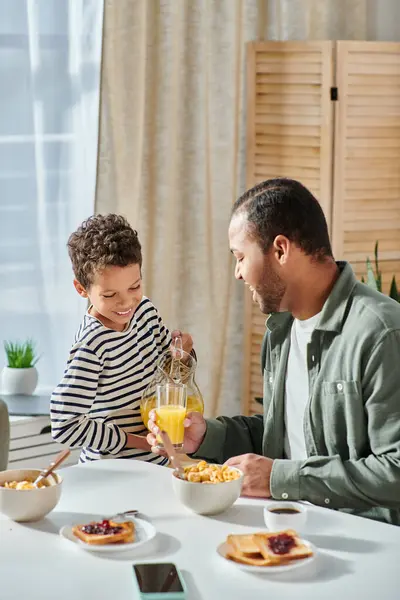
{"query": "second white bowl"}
[(28, 505), (208, 499)]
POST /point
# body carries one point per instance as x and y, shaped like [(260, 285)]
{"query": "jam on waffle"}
[(266, 549), (105, 532)]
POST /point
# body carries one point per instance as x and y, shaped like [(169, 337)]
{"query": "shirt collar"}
[(334, 309)]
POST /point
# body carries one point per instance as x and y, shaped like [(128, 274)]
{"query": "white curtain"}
[(374, 20), (173, 148), (171, 159), (50, 56)]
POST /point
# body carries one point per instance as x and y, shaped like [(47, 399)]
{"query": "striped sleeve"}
[(163, 337), (71, 401)]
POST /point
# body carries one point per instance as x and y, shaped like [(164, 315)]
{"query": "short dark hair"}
[(285, 207), (102, 241)]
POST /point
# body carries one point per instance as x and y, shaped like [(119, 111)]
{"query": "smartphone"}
[(159, 581)]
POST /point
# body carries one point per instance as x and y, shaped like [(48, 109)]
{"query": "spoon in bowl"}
[(61, 456), (171, 452)]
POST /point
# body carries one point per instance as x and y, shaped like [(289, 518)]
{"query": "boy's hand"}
[(137, 441), (187, 340), (195, 430)]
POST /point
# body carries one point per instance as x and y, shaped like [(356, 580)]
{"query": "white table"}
[(359, 558)]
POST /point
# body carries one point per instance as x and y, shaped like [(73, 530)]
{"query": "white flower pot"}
[(19, 381)]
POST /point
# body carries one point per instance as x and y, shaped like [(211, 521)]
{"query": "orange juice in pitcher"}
[(171, 370), (193, 404)]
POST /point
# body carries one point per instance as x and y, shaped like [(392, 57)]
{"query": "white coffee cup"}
[(285, 515)]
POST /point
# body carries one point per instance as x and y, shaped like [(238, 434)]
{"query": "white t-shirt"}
[(297, 388)]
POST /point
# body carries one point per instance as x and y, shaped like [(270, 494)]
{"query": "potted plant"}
[(374, 278), (20, 375)]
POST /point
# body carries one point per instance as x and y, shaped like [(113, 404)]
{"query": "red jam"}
[(103, 528), (281, 543)]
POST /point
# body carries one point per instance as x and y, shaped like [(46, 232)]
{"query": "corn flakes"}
[(203, 472), (22, 485)]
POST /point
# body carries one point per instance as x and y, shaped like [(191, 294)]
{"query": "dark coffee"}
[(284, 511)]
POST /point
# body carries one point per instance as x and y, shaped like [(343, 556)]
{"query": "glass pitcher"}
[(174, 366)]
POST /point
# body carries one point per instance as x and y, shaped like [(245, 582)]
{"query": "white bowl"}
[(276, 520), (208, 499), (28, 505)]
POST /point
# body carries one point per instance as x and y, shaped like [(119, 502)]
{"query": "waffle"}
[(266, 549), (105, 532)]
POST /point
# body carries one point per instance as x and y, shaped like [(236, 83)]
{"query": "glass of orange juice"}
[(171, 412)]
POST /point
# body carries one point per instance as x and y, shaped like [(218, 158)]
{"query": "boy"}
[(96, 406)]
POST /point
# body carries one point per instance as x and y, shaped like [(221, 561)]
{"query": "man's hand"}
[(195, 430), (257, 474), (187, 340)]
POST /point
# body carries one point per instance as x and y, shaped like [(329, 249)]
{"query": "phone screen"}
[(157, 578)]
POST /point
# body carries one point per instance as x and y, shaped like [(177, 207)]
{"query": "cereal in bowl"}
[(22, 485), (203, 472)]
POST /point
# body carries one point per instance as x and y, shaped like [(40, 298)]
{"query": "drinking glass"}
[(171, 412)]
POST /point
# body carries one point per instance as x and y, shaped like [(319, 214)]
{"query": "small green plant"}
[(21, 355), (374, 277)]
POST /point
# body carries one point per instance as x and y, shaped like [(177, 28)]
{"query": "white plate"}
[(144, 532), (289, 566)]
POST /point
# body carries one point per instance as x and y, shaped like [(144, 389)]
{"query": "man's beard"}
[(269, 294)]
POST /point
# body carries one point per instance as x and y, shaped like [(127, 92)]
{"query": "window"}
[(50, 55)]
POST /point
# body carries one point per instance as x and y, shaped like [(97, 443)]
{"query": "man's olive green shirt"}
[(352, 419)]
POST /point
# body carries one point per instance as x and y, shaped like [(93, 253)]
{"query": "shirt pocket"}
[(344, 418)]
